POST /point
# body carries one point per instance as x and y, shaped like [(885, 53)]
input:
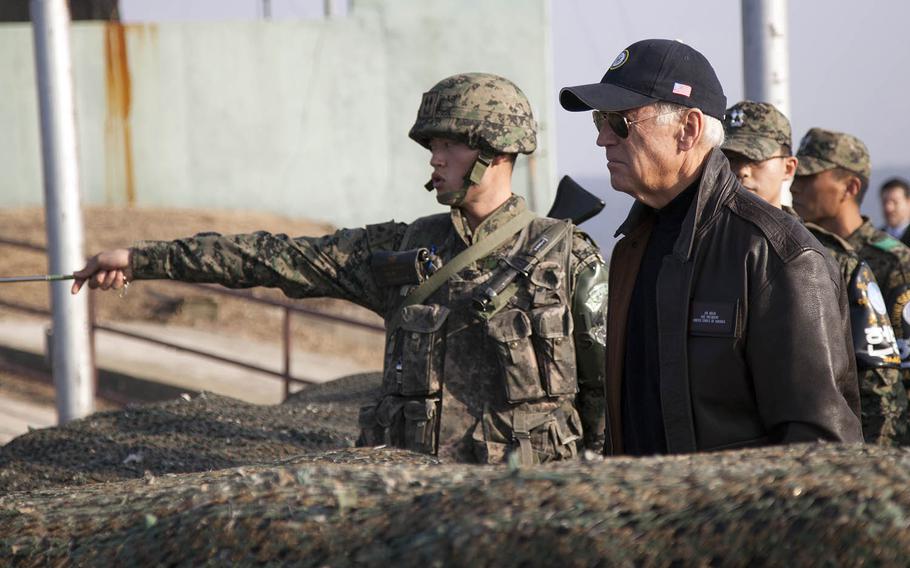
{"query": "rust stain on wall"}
[(118, 138)]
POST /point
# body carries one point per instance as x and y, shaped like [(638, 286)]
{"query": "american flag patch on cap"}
[(680, 89)]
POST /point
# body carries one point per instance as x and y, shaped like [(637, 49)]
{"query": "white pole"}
[(766, 63), (70, 349)]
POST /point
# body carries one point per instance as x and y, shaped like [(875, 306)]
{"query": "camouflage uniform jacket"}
[(889, 260), (883, 397), (498, 384)]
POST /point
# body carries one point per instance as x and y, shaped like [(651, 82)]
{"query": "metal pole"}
[(267, 9), (70, 345), (766, 63), (286, 351), (532, 182)]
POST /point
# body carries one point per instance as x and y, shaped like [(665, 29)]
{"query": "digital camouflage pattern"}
[(883, 396), (889, 260), (338, 265), (485, 111), (756, 130), (882, 393), (822, 150)]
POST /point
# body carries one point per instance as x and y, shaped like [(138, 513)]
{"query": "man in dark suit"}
[(895, 196)]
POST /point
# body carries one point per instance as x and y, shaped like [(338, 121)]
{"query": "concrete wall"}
[(305, 118)]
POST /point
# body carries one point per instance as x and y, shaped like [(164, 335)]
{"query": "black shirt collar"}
[(674, 213)]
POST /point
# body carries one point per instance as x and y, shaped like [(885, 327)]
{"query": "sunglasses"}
[(618, 123)]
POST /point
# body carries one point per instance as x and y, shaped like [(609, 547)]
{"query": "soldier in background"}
[(895, 196), (470, 373), (758, 146), (831, 180)]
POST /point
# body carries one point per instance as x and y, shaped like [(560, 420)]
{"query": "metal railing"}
[(287, 307)]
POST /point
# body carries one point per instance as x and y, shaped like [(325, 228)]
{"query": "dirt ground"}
[(171, 303), (22, 383)]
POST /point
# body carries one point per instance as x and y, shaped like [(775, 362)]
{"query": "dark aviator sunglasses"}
[(618, 123)]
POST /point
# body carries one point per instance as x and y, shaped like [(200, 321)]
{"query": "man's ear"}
[(854, 185), (790, 165), (693, 126)]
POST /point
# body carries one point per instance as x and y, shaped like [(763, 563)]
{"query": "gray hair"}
[(713, 134)]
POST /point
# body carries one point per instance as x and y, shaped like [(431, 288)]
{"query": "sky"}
[(849, 68), (849, 72)]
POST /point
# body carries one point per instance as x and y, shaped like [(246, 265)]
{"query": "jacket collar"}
[(513, 206), (713, 190)]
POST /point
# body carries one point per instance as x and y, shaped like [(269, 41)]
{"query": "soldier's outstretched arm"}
[(589, 314), (335, 265), (106, 270)]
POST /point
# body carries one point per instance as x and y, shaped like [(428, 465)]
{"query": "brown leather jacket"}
[(753, 323)]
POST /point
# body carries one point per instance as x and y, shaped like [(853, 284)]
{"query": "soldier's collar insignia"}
[(620, 60)]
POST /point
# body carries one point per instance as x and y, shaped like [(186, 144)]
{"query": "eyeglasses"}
[(618, 123), (738, 161)]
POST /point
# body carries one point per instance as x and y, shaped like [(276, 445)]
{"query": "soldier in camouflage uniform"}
[(466, 382), (831, 180), (758, 145)]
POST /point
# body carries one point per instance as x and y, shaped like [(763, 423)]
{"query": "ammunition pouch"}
[(415, 353), (511, 332), (546, 436), (400, 422), (555, 351), (536, 353), (536, 437)]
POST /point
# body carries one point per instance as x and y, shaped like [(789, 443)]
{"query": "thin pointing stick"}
[(37, 278)]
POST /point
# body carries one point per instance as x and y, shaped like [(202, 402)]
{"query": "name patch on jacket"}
[(717, 319)]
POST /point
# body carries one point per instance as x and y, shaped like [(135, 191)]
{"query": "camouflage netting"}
[(802, 505), (303, 496), (204, 433)]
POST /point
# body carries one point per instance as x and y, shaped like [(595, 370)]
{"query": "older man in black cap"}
[(727, 326)]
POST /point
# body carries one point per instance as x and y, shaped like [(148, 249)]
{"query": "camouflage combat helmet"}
[(485, 111)]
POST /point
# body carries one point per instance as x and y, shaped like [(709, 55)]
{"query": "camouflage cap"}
[(756, 130), (822, 150), (485, 111)]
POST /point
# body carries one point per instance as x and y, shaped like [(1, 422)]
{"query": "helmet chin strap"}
[(472, 177)]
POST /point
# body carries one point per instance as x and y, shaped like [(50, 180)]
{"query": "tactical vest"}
[(474, 388)]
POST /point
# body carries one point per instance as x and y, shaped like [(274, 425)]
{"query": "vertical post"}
[(70, 343), (286, 345), (532, 183), (92, 336), (766, 64), (266, 9)]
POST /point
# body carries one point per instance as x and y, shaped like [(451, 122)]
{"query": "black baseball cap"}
[(649, 71)]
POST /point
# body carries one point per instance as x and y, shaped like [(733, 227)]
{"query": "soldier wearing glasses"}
[(758, 142), (727, 326)]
